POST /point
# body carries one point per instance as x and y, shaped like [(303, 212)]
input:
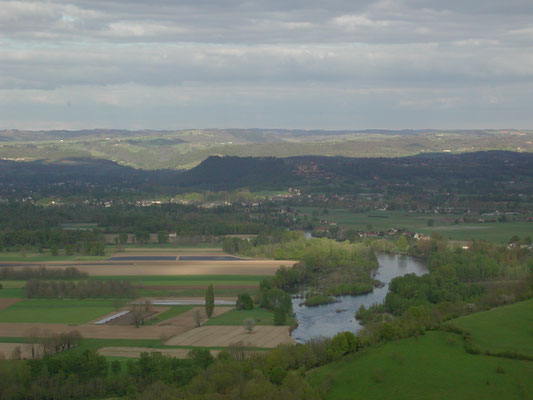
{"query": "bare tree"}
[(147, 305), (249, 325), (137, 314), (198, 318), (17, 353)]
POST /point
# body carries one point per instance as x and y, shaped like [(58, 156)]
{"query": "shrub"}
[(277, 375), (280, 316), (245, 302), (343, 343)]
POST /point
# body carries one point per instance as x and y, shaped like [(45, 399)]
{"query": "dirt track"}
[(223, 336), (136, 352)]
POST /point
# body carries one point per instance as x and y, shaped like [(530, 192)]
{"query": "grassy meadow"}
[(497, 232), (507, 328), (236, 317), (433, 366), (56, 311)]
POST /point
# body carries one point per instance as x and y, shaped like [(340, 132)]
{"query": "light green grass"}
[(56, 311), (13, 284), (45, 257), (431, 367), (236, 317), (14, 293), (174, 311), (508, 328)]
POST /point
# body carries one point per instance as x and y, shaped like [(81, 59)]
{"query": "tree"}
[(198, 318), (123, 238), (162, 236), (280, 316), (249, 325), (244, 302), (115, 367), (209, 301)]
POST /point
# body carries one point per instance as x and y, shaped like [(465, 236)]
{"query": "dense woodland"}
[(484, 180)]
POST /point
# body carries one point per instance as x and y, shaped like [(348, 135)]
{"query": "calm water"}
[(329, 319)]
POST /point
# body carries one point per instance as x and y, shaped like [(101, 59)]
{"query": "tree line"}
[(112, 288)]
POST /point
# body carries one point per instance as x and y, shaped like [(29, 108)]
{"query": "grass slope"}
[(434, 366), (56, 311), (508, 328)]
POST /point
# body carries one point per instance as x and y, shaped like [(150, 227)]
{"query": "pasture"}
[(507, 328), (497, 232), (236, 317), (433, 366), (55, 311), (168, 277)]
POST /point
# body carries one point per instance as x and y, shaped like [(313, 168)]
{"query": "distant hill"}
[(184, 149), (471, 172)]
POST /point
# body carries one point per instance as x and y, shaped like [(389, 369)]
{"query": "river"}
[(329, 319)]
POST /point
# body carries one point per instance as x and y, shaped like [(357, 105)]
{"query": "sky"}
[(306, 64)]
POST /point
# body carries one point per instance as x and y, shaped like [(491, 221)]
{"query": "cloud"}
[(256, 56)]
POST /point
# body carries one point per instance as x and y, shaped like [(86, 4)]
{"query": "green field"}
[(434, 366), (508, 328), (237, 317), (56, 311), (14, 256), (157, 280), (17, 293), (415, 222)]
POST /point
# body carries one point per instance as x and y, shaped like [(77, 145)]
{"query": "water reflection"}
[(329, 319)]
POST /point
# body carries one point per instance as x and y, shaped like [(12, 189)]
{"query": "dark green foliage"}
[(344, 343), (41, 273), (277, 375), (410, 290), (201, 357), (209, 300), (244, 302), (162, 237), (116, 367), (36, 288), (280, 316), (318, 299)]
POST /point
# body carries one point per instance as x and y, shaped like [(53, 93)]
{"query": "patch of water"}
[(330, 319)]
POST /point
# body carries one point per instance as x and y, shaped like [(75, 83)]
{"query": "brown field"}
[(135, 352), (223, 336), (92, 331), (139, 268), (6, 350), (188, 318), (198, 287), (165, 329), (5, 303)]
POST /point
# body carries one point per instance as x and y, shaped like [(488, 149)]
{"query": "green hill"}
[(436, 365)]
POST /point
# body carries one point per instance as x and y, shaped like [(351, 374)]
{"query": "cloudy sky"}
[(328, 64)]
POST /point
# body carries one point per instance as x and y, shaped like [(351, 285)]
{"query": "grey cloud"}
[(337, 56)]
